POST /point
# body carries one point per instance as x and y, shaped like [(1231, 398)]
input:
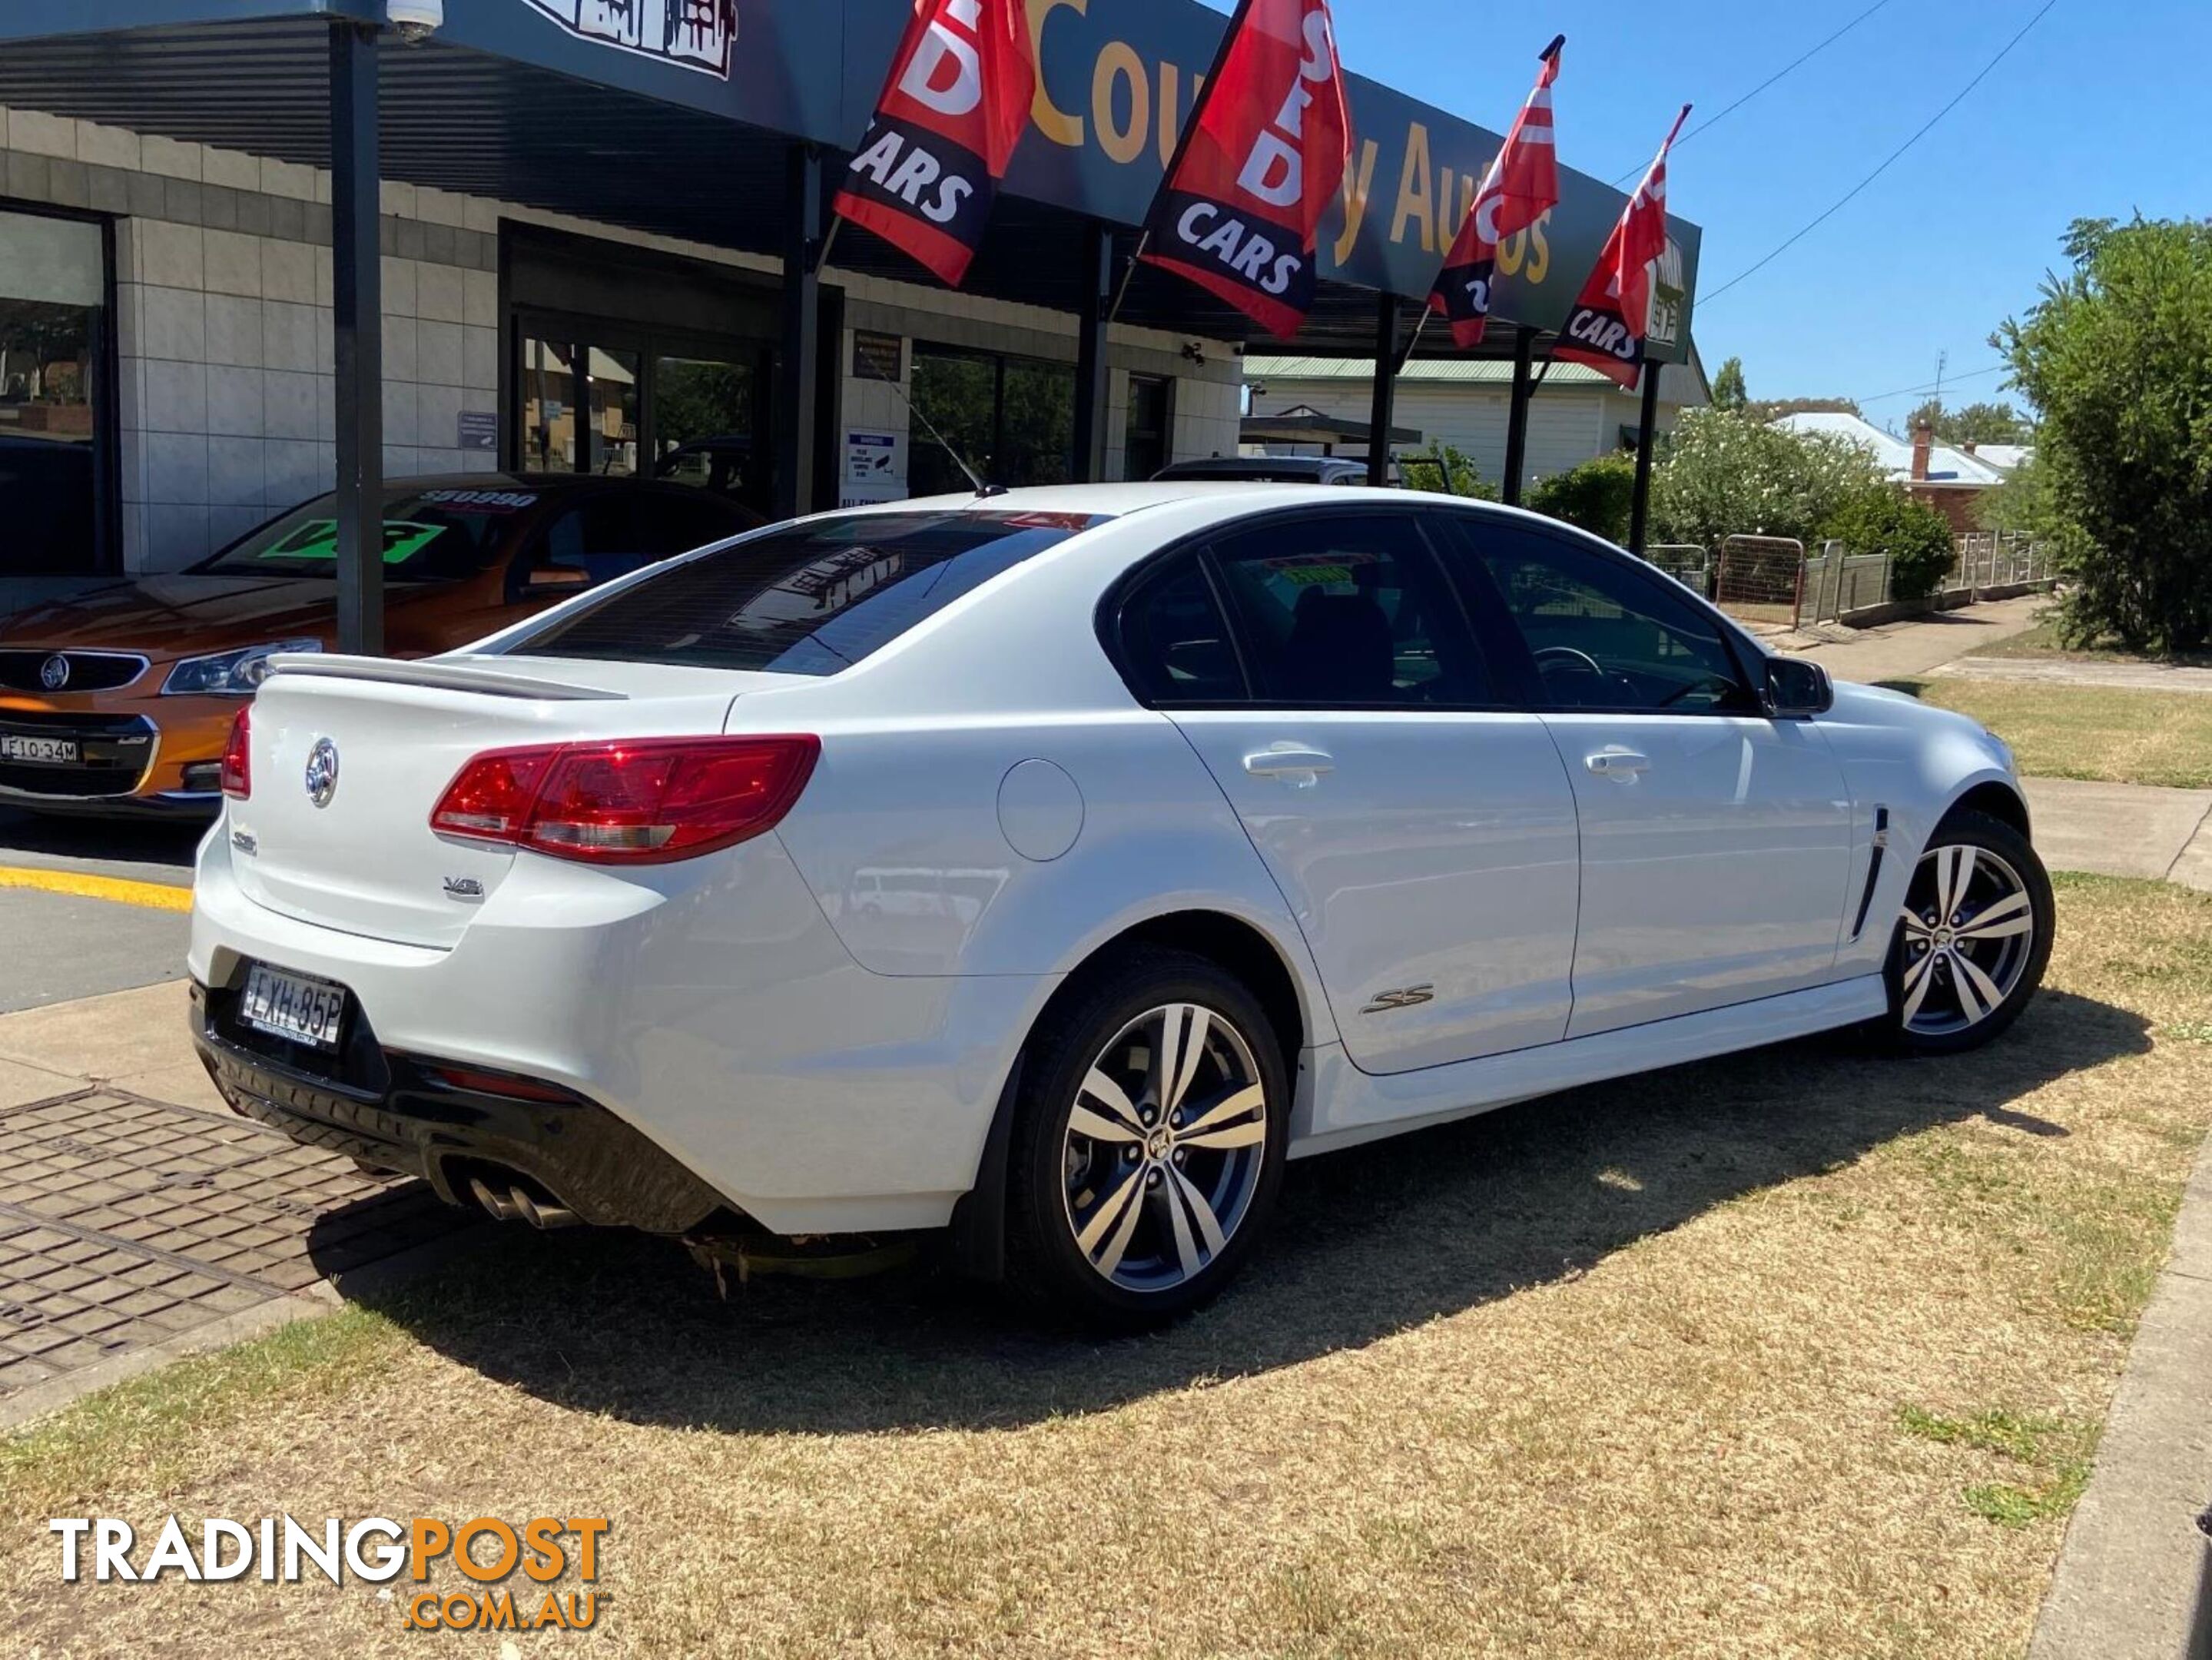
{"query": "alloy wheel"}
[(1164, 1146), (1969, 933)]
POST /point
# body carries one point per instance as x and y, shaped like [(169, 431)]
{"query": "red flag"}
[(1262, 161), (956, 104), (1606, 328), (1521, 187)]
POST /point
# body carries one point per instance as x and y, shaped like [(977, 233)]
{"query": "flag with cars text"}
[(1240, 211), (1607, 327), (1521, 187), (956, 103)]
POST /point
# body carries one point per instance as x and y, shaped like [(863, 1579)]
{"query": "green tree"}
[(1728, 391), (1724, 473), (1887, 520), (1597, 495), (1444, 469), (2116, 357), (1970, 423)]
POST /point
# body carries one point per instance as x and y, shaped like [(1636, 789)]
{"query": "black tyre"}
[(1973, 938), (1148, 1145)]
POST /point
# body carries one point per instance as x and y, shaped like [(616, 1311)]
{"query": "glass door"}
[(618, 400), (53, 396)]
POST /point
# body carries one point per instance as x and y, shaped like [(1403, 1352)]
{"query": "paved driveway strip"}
[(140, 1217)]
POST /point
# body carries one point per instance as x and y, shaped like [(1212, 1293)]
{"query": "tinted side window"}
[(595, 537), (1175, 646), (670, 522), (1605, 636), (1348, 610)]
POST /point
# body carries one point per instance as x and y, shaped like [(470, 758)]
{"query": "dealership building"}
[(251, 248)]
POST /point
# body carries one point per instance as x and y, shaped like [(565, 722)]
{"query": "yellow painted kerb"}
[(154, 896)]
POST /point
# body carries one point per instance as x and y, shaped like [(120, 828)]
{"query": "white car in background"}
[(1056, 865)]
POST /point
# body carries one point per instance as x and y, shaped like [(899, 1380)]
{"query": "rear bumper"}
[(401, 1112), (705, 1008)]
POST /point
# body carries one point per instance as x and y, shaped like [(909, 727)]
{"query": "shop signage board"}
[(1115, 83), (874, 468), (878, 357)]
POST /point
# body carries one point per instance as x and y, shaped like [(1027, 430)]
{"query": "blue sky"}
[(2104, 108)]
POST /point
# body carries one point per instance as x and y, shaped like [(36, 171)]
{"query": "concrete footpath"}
[(1908, 648), (2124, 830), (2134, 1580)]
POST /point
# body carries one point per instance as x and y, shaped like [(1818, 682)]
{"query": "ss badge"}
[(1405, 997)]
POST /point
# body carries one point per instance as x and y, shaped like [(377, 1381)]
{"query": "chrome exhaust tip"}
[(516, 1205)]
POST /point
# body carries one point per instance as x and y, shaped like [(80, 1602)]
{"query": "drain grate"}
[(125, 1221)]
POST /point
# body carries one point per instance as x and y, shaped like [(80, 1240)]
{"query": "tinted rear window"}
[(810, 600)]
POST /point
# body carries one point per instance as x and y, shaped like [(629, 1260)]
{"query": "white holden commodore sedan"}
[(1051, 867)]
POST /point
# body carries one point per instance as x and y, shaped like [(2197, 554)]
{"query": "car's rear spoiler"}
[(445, 677)]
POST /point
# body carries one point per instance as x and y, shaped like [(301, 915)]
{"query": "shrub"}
[(1596, 496), (1444, 470), (1914, 536), (1723, 472)]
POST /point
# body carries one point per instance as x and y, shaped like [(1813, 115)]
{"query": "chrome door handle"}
[(1290, 761), (1618, 764)]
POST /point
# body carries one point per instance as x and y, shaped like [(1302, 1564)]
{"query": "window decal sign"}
[(318, 539), (693, 35)]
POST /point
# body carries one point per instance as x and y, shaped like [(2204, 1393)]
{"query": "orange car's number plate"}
[(51, 751), (292, 1005)]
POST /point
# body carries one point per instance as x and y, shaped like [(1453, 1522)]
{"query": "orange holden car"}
[(118, 701)]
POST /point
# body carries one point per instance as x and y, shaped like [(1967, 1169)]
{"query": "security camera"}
[(416, 20)]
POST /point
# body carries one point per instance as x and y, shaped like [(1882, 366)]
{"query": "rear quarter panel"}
[(899, 832)]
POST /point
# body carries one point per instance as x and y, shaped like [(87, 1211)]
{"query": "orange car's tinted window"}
[(429, 535)]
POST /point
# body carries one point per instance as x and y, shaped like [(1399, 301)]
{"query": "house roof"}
[(2003, 457), (1893, 455), (1470, 372), (1464, 370)]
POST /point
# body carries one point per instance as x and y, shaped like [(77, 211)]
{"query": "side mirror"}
[(1797, 687), (555, 582)]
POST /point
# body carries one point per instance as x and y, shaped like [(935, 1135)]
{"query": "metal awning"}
[(1304, 425)]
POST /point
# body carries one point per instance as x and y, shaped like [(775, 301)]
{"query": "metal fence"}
[(1766, 579), (1760, 579), (1686, 563)]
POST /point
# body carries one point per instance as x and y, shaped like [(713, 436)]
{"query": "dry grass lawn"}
[(1802, 1353), (2043, 641), (2109, 734)]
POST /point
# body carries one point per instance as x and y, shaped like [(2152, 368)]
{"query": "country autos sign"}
[(693, 35)]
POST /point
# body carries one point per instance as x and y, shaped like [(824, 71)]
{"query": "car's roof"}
[(1115, 501), (1233, 496)]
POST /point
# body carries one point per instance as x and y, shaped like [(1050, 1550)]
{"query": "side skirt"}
[(1346, 1106)]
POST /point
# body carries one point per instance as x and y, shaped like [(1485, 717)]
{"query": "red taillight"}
[(237, 774), (633, 802)]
